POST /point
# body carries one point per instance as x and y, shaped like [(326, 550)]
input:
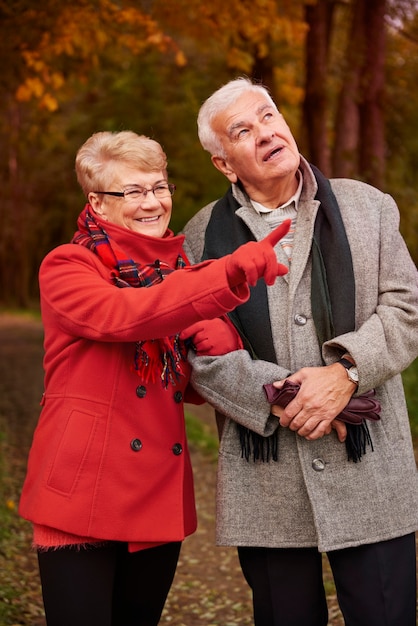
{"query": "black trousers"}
[(106, 585), (376, 584)]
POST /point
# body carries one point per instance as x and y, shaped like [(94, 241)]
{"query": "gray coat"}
[(313, 496)]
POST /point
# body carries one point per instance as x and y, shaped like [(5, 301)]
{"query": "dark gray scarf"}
[(332, 296)]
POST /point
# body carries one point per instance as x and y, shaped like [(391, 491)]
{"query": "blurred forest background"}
[(343, 72)]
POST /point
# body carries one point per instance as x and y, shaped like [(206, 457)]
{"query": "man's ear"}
[(222, 165)]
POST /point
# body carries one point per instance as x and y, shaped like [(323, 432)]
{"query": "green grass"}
[(201, 437), (29, 314), (410, 381)]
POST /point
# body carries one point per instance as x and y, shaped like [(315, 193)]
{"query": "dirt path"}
[(208, 589)]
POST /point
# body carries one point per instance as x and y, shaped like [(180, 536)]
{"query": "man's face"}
[(259, 147)]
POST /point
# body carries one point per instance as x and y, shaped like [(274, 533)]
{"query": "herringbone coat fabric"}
[(314, 496)]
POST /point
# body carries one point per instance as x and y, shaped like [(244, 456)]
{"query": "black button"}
[(178, 397), (177, 449), (136, 445), (141, 391)]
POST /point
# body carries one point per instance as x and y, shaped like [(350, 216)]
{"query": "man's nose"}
[(264, 134)]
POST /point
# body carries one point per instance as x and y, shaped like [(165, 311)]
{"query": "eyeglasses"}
[(162, 190)]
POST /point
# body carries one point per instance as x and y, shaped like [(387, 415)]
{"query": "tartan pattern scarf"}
[(159, 357)]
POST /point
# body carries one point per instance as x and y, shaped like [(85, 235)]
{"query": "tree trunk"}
[(262, 71), (372, 144), (347, 123), (14, 255), (315, 107)]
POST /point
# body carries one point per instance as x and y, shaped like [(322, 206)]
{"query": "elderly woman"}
[(109, 486)]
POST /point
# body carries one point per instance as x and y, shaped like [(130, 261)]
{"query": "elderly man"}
[(294, 478)]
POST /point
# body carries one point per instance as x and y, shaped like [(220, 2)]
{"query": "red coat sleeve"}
[(77, 289)]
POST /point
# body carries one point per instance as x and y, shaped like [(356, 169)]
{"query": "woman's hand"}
[(257, 259), (213, 337)]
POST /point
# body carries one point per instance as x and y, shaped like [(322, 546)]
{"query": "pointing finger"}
[(279, 232)]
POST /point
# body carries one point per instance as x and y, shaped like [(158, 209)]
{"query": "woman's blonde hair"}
[(97, 157)]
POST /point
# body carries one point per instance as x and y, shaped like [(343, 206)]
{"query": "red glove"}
[(257, 259), (213, 337)]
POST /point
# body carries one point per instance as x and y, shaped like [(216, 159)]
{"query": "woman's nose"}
[(149, 200)]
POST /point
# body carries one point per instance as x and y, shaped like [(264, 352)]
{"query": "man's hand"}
[(257, 259), (324, 392), (340, 428)]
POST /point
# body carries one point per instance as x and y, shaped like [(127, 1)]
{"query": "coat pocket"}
[(72, 452)]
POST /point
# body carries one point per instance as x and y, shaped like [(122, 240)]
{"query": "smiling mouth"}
[(273, 153), (147, 220)]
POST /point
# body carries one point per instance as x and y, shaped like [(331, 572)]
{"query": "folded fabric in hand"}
[(359, 408)]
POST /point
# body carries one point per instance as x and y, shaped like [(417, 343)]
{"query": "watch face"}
[(353, 374)]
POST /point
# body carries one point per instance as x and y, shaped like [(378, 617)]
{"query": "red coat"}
[(109, 458)]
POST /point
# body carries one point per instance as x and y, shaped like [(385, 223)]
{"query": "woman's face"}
[(145, 214)]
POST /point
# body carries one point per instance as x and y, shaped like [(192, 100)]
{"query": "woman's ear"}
[(95, 203), (222, 165)]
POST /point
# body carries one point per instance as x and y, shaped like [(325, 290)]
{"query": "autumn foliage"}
[(343, 72)]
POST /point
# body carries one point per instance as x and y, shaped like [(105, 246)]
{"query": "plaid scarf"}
[(159, 357)]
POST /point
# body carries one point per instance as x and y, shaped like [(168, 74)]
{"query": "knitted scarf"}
[(332, 298), (159, 357)]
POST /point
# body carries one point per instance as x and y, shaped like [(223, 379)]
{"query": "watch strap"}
[(346, 363), (351, 370)]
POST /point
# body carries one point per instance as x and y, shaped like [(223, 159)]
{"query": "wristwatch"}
[(352, 372)]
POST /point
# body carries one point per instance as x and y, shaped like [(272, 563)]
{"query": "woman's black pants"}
[(375, 584), (106, 585)]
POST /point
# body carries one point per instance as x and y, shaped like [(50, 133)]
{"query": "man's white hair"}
[(218, 102)]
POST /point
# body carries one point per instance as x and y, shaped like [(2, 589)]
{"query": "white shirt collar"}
[(260, 208)]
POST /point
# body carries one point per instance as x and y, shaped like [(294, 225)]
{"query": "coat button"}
[(141, 391), (178, 397), (177, 449), (318, 465), (300, 320), (136, 445)]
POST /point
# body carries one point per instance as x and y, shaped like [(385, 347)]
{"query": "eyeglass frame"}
[(143, 191)]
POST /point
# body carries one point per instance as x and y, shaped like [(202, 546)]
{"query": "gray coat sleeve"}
[(195, 233), (386, 339), (233, 384)]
